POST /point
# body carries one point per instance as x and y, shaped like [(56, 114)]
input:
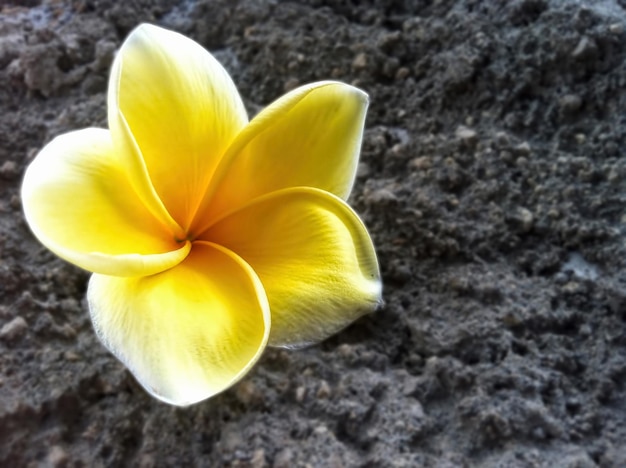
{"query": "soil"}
[(493, 182)]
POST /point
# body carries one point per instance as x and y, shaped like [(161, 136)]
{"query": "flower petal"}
[(80, 204), (309, 137), (132, 163), (313, 256), (182, 108), (187, 333)]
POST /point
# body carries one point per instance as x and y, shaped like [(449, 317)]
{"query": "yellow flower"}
[(201, 227)]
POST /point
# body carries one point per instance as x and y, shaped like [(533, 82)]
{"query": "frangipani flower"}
[(209, 236)]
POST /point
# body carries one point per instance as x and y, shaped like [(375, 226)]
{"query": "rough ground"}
[(493, 183)]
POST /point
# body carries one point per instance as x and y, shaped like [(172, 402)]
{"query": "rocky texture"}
[(493, 183)]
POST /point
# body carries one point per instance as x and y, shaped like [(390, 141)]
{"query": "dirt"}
[(492, 181)]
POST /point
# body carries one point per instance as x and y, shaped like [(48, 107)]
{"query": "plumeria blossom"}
[(209, 236)]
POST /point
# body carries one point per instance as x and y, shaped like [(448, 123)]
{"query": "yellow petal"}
[(313, 256), (80, 204), (187, 333), (309, 137), (131, 161), (182, 109)]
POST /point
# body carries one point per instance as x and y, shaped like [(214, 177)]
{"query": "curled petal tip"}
[(314, 257)]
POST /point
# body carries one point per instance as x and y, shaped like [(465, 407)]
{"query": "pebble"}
[(503, 139), (290, 84), (323, 391), (9, 170), (421, 163), (57, 457), (300, 393), (466, 135), (346, 351), (71, 356), (360, 61), (585, 49), (15, 202), (381, 197), (247, 392), (402, 73), (363, 170), (14, 329), (258, 459), (284, 458), (572, 287), (525, 219), (570, 103), (523, 149)]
